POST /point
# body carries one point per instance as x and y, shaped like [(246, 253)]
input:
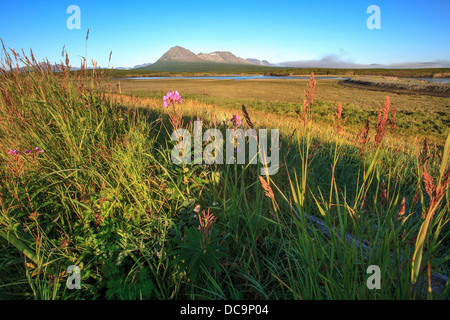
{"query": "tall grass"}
[(104, 195)]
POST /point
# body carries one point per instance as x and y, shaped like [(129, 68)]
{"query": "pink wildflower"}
[(236, 119), (172, 97), (13, 152)]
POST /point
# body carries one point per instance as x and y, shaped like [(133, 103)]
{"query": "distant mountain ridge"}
[(259, 62), (179, 58), (142, 65), (221, 56), (178, 53)]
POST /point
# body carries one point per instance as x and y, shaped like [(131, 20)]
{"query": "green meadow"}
[(208, 68), (87, 180), (418, 115)]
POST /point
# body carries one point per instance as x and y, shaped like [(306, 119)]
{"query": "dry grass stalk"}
[(416, 197), (268, 191), (428, 180), (436, 192), (424, 153), (338, 118), (363, 137), (393, 118), (401, 210), (310, 93), (247, 117), (290, 140), (382, 122), (383, 194)]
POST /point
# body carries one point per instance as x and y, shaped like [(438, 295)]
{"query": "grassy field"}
[(227, 69), (224, 69), (399, 85), (87, 181), (418, 115)]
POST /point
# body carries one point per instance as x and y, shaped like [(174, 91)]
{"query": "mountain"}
[(221, 57), (43, 66), (335, 61), (179, 59), (259, 62), (179, 54), (142, 65)]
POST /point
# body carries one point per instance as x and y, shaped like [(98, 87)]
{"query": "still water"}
[(436, 80), (231, 78)]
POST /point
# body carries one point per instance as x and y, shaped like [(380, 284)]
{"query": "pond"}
[(436, 80)]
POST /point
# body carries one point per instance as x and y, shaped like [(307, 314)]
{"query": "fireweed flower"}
[(14, 152), (172, 97), (39, 150), (236, 120), (176, 116)]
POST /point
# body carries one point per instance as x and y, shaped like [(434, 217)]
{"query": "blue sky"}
[(141, 31)]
